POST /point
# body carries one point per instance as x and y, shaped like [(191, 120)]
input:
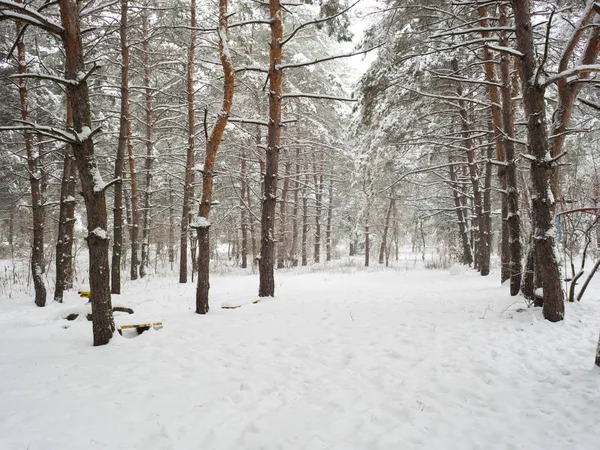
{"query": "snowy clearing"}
[(417, 359)]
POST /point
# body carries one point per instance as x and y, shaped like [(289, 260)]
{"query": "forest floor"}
[(342, 359)]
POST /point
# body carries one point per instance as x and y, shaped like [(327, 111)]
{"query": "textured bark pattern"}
[(282, 250), (462, 225), (188, 187), (473, 173), (328, 230), (318, 181), (267, 240), (513, 218), (66, 221), (144, 260), (546, 262), (243, 206), (124, 131), (33, 166), (212, 146), (386, 227), (103, 324)]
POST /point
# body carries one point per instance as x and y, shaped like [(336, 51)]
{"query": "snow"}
[(99, 184), (343, 359), (200, 222), (84, 134), (99, 232)]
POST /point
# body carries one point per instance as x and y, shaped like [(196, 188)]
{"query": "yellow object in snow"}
[(84, 294)]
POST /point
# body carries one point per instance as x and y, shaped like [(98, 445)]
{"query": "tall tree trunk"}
[(93, 189), (171, 237), (66, 221), (304, 248), (124, 132), (267, 281), (33, 165), (282, 251), (473, 169), (486, 235), (188, 188), (318, 180), (212, 146), (328, 230), (144, 262), (386, 227), (294, 249), (541, 168), (462, 224), (512, 190), (243, 206), (494, 96), (135, 217)]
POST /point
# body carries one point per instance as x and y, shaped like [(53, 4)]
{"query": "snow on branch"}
[(329, 58), (471, 30), (10, 10), (584, 68), (510, 51), (590, 103), (251, 69), (249, 22), (318, 96), (317, 21)]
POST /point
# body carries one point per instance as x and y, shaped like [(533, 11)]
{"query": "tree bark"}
[(188, 188), (328, 230), (318, 181), (124, 132), (243, 206), (267, 281), (282, 251), (386, 227), (93, 191), (304, 249), (473, 171), (212, 146), (462, 225), (66, 220), (145, 256), (513, 218), (33, 166), (541, 167), (294, 249)]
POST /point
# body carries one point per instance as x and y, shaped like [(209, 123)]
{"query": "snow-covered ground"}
[(382, 359)]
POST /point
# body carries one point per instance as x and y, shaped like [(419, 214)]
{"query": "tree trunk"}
[(33, 166), (66, 221), (486, 235), (212, 146), (473, 171), (318, 180), (188, 188), (304, 222), (267, 281), (328, 239), (541, 168), (135, 218), (512, 189), (281, 253), (145, 256), (462, 225), (124, 132), (294, 249), (243, 206), (93, 189), (386, 227)]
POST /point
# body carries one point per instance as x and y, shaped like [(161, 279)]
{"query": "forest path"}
[(384, 359)]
